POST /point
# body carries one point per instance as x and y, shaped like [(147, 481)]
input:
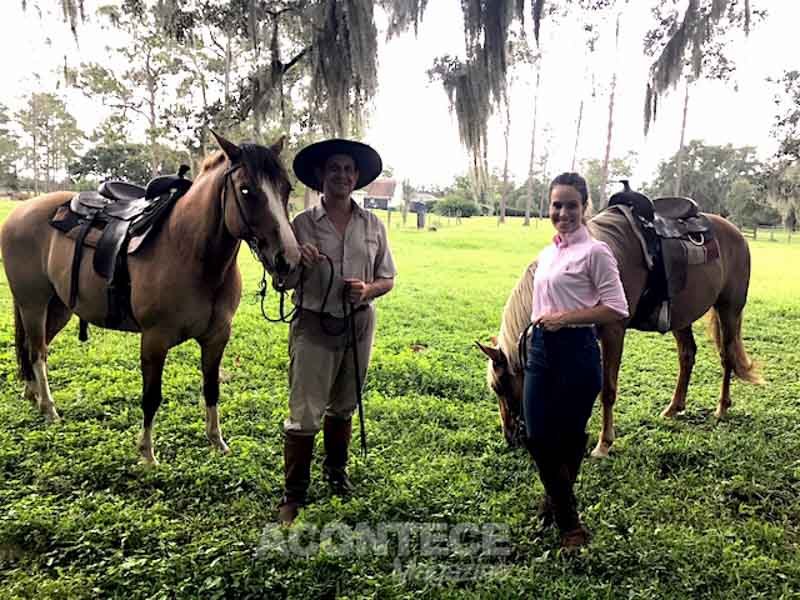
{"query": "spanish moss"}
[(403, 14), (697, 28)]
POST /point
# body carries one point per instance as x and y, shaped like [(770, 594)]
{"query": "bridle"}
[(252, 241)]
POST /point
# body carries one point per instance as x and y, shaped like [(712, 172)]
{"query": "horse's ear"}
[(231, 150), (277, 147), (494, 340), (493, 353)]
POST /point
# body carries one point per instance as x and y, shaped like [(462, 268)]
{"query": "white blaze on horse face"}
[(291, 250)]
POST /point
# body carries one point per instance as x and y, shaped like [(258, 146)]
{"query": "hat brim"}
[(309, 159)]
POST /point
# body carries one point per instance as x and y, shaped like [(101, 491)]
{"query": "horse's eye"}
[(245, 191)]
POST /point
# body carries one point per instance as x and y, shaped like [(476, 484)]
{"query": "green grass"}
[(685, 508)]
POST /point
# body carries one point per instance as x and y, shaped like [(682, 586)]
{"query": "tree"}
[(707, 59), (330, 46), (786, 126), (52, 138), (9, 152), (683, 42), (602, 199), (600, 173), (142, 87), (709, 174), (114, 161)]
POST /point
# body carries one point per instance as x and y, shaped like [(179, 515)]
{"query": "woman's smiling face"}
[(566, 208)]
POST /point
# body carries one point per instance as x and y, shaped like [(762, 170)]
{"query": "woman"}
[(575, 287)]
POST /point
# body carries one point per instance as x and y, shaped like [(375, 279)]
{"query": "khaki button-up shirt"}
[(363, 253)]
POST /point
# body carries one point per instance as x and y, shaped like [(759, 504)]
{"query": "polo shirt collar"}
[(563, 240)]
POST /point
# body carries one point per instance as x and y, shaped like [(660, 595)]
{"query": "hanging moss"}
[(403, 14), (696, 30)]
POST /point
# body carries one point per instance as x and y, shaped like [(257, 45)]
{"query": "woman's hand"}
[(552, 322)]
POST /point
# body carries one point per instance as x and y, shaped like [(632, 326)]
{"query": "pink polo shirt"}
[(576, 271)]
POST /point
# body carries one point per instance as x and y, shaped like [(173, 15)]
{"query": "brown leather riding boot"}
[(556, 464), (337, 433), (297, 453)]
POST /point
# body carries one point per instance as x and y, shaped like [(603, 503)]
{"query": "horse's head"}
[(255, 199), (508, 385)]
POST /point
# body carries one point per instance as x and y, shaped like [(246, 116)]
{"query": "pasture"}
[(684, 508)]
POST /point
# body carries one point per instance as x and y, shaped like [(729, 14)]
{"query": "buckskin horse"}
[(184, 281), (718, 287)]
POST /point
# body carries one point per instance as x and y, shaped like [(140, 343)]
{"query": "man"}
[(322, 375)]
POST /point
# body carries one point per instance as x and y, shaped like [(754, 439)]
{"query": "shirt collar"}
[(563, 240), (319, 210)]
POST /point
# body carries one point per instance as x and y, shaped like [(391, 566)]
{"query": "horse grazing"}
[(718, 287), (184, 281)]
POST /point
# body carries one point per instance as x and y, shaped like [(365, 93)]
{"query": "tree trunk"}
[(544, 199), (310, 198), (532, 162), (504, 192), (604, 174), (679, 166), (577, 136)]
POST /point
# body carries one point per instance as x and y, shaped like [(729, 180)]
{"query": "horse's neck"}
[(197, 223)]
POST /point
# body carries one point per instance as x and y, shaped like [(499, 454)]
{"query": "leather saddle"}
[(668, 226), (120, 211)]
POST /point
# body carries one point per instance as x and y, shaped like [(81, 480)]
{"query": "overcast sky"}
[(413, 129)]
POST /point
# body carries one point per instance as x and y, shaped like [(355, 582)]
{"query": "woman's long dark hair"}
[(573, 180)]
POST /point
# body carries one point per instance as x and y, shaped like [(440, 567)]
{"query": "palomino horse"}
[(718, 287), (185, 282)]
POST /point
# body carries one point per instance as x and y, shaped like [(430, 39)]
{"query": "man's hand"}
[(552, 322), (357, 291), (310, 254)]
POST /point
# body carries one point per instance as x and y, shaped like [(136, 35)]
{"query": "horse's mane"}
[(255, 157), (516, 317)]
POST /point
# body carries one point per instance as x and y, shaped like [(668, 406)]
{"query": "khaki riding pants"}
[(321, 370)]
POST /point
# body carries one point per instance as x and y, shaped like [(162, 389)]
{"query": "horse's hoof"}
[(147, 456), (720, 413), (51, 416), (148, 459), (600, 451), (221, 446)]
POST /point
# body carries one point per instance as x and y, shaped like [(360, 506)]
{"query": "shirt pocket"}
[(364, 256)]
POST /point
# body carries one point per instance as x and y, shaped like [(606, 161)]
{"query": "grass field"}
[(686, 508)]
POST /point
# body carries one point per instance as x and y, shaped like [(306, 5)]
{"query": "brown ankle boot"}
[(297, 453), (337, 433)]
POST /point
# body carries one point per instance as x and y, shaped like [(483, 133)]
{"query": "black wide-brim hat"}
[(368, 161)]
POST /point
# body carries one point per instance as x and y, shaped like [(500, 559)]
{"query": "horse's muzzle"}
[(282, 266)]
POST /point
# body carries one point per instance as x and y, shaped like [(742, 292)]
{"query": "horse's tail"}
[(21, 344), (727, 334)]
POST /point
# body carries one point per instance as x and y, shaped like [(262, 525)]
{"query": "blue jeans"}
[(563, 376)]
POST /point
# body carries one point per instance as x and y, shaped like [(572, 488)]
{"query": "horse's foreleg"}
[(686, 353), (612, 337), (153, 355), (211, 353)]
